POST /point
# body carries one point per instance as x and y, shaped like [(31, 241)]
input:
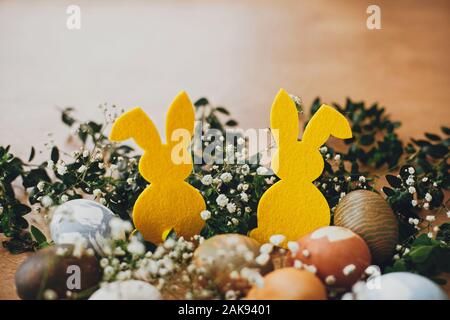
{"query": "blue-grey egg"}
[(82, 220), (399, 286)]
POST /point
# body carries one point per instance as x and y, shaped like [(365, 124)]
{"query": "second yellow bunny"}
[(169, 202), (293, 206)]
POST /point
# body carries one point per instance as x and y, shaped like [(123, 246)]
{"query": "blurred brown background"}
[(236, 53)]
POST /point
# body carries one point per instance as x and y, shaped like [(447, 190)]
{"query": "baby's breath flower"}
[(46, 201), (222, 200), (205, 214), (64, 198), (428, 197), (82, 169), (411, 170), (261, 171), (226, 177), (245, 169), (412, 190), (207, 180), (430, 218), (40, 186), (277, 239)]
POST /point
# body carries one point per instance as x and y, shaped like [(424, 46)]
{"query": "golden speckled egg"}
[(223, 254), (289, 284), (337, 255), (367, 214)]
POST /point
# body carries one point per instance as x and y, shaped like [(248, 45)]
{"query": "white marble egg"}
[(127, 290), (399, 286), (81, 219)]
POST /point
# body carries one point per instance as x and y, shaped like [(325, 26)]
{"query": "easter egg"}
[(399, 286), (224, 254), (367, 214), (55, 269), (289, 284), (83, 220), (337, 255), (127, 290)]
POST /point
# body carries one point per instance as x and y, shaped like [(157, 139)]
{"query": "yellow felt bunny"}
[(293, 206), (169, 202)]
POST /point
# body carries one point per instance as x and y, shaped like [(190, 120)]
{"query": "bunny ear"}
[(325, 122), (180, 116), (137, 125), (284, 118)]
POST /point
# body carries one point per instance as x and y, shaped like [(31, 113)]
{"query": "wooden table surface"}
[(237, 54)]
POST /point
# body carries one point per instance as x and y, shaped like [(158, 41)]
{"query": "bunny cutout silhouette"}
[(169, 202), (293, 206)]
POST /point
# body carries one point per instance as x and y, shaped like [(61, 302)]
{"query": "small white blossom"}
[(245, 169), (64, 198), (248, 209), (41, 185), (50, 164), (412, 190), (235, 221), (305, 253), (428, 197), (348, 269), (222, 200), (430, 235), (411, 170), (330, 280), (85, 153), (261, 171), (226, 177), (97, 192), (205, 214), (293, 247), (424, 179), (414, 203), (430, 218), (46, 201), (50, 294), (244, 196), (323, 150), (362, 179), (207, 180), (266, 248), (426, 205), (231, 207), (240, 141), (82, 169), (277, 239), (101, 165), (337, 157), (136, 247), (262, 259), (410, 181), (298, 264)]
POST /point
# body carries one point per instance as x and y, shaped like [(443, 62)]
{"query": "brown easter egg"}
[(367, 214), (336, 255), (55, 270), (289, 284), (222, 258)]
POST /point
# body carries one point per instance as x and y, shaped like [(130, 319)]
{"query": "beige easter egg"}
[(367, 214), (221, 255)]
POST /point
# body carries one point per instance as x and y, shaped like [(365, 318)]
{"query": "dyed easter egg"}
[(289, 284), (127, 290), (336, 255), (367, 214), (84, 220), (399, 286), (221, 255), (54, 269)]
